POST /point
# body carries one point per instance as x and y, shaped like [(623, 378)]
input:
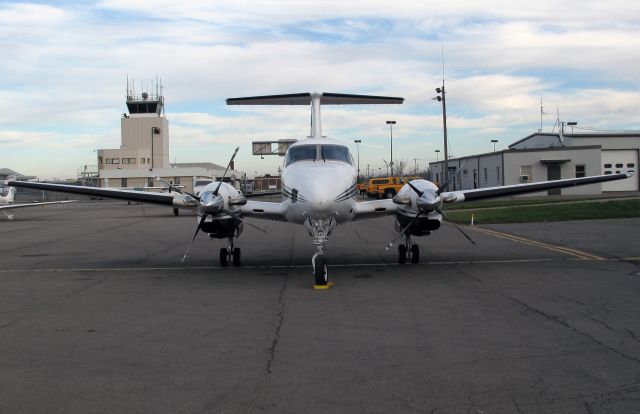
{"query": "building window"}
[(150, 182), (141, 160), (176, 180), (580, 171), (100, 160), (128, 160), (112, 160), (124, 183), (525, 174)]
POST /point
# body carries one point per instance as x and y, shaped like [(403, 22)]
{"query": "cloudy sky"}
[(65, 64)]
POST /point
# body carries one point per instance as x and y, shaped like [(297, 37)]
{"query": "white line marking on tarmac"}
[(449, 263)]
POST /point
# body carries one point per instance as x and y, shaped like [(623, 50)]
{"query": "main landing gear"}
[(412, 253), (230, 255)]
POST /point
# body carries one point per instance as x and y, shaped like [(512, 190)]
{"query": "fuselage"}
[(319, 181)]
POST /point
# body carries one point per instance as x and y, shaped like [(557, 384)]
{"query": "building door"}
[(620, 161), (553, 173)]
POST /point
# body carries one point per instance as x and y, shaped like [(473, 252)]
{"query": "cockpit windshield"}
[(335, 153), (300, 153), (318, 153)]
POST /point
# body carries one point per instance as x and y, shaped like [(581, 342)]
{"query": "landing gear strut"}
[(230, 254), (412, 253)]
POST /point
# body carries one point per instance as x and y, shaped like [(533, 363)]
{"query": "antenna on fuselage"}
[(316, 100)]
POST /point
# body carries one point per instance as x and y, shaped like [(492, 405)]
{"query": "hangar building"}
[(545, 156)]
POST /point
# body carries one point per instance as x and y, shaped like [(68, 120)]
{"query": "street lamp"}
[(357, 141), (386, 165), (495, 141), (437, 153), (154, 131), (391, 124)]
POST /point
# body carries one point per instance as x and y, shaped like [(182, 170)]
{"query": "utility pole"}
[(391, 124), (368, 175), (415, 166), (442, 98)]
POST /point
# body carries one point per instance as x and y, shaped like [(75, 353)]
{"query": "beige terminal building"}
[(144, 150)]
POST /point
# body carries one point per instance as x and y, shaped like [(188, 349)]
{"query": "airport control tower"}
[(144, 133)]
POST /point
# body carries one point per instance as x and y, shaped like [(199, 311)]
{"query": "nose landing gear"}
[(320, 230)]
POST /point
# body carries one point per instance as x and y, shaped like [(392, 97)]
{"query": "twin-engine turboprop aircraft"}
[(7, 203), (318, 191)]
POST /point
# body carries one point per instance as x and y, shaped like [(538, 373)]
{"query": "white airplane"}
[(318, 190), (7, 203)]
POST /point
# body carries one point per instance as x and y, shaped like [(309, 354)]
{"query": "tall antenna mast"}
[(541, 113)]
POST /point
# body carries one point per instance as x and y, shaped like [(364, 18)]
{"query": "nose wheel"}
[(320, 269)]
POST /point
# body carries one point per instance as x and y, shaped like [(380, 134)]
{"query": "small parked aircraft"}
[(318, 189), (7, 203)]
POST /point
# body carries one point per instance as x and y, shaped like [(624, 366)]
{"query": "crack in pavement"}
[(280, 308), (564, 323)]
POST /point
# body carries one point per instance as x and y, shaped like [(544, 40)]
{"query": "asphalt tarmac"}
[(98, 315)]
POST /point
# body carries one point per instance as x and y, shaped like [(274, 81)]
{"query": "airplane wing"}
[(376, 208), (509, 190), (13, 206), (264, 210), (127, 195)]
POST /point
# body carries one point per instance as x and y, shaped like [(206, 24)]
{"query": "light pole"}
[(391, 124), (437, 153), (154, 131), (495, 141), (441, 98), (386, 165), (357, 141)]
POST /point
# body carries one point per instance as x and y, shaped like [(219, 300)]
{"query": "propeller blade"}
[(404, 230), (225, 171), (204, 217), (446, 183), (237, 217), (456, 226)]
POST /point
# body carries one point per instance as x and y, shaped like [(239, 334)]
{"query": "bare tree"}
[(399, 167)]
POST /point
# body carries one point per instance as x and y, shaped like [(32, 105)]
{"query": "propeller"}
[(211, 203), (433, 205), (455, 226), (404, 230), (204, 217)]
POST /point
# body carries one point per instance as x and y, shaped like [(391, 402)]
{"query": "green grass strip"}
[(550, 212)]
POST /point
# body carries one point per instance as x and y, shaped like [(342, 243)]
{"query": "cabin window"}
[(607, 166), (607, 172), (580, 171), (619, 165), (301, 153), (631, 165)]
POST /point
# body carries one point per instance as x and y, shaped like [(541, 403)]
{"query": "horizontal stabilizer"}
[(305, 99)]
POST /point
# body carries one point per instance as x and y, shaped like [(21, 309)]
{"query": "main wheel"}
[(389, 193), (320, 270), (415, 253), (224, 257), (402, 254), (176, 212), (236, 256)]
